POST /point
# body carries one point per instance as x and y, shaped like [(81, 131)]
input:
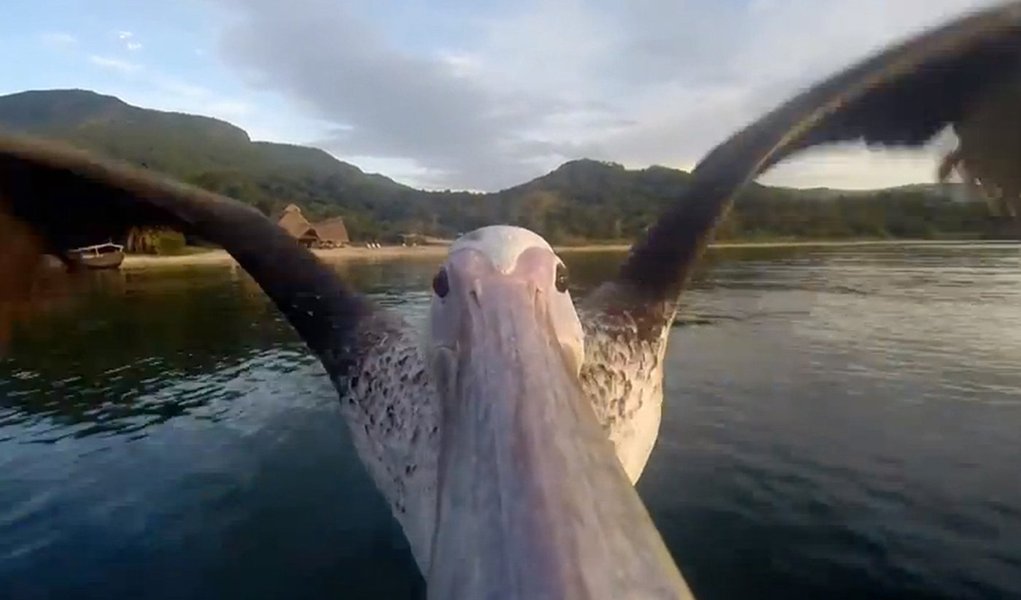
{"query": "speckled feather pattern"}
[(623, 377), (393, 413), (392, 408)]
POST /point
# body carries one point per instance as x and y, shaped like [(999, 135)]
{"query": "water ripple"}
[(837, 422)]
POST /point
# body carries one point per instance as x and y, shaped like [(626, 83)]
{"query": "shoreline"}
[(222, 258), (218, 257)]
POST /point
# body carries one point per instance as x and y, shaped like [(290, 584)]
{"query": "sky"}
[(462, 94)]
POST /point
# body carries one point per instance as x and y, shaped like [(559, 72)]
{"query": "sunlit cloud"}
[(115, 64), (127, 38)]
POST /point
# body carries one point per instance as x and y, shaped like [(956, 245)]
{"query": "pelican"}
[(506, 436)]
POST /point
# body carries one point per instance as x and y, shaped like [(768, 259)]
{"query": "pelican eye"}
[(562, 279), (440, 284)]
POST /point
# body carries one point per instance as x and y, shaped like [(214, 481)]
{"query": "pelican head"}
[(532, 500), (496, 269)]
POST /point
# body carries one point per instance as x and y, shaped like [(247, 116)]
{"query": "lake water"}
[(839, 423)]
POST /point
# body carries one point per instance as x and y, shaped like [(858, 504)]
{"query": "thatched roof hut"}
[(332, 232), (293, 222)]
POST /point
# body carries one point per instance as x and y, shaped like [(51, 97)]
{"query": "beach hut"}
[(332, 233), (293, 222)]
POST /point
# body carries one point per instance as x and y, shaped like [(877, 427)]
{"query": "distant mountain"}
[(202, 150), (608, 201), (582, 199), (951, 191), (593, 177)]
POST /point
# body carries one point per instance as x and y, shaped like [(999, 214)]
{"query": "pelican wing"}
[(904, 96), (54, 198)]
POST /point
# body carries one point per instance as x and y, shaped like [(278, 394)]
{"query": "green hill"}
[(205, 151), (582, 199)]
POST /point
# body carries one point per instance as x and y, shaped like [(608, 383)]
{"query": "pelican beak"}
[(533, 502)]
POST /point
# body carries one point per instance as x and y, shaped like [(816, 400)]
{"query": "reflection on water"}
[(839, 421)]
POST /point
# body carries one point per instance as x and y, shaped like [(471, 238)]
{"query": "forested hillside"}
[(581, 200)]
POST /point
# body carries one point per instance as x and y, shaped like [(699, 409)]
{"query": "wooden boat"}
[(100, 256)]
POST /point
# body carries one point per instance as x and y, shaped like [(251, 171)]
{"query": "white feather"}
[(503, 244)]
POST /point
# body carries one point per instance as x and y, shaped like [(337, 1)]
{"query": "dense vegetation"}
[(581, 200)]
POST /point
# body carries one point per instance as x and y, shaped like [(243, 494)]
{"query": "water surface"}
[(839, 422)]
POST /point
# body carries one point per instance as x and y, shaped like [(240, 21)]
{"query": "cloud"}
[(114, 64), (127, 38), (385, 102), (683, 76), (58, 40), (484, 96)]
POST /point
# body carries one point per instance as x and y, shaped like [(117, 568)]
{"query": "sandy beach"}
[(221, 258)]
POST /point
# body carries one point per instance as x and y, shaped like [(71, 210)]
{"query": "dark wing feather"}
[(903, 97), (68, 198)]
